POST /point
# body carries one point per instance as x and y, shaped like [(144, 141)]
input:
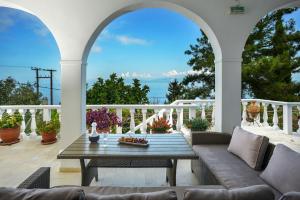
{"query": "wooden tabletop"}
[(161, 146)]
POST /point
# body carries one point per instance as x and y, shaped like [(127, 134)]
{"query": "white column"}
[(275, 117), (227, 94), (33, 123), (244, 114), (265, 115), (203, 111), (287, 119), (119, 114), (213, 115), (73, 106), (144, 126), (132, 122), (298, 130)]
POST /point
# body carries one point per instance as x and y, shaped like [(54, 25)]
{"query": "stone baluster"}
[(23, 125), (265, 115), (178, 123), (144, 126), (203, 116), (132, 122), (244, 115), (46, 114), (275, 117), (213, 115), (119, 115), (298, 131), (1, 112), (192, 112), (33, 123), (171, 117)]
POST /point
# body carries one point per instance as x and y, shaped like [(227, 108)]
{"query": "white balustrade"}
[(265, 115), (144, 116), (46, 114), (244, 115), (298, 130), (213, 115), (33, 123), (132, 122), (178, 124), (119, 114), (203, 111), (275, 117)]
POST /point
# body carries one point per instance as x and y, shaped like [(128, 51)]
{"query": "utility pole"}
[(38, 77)]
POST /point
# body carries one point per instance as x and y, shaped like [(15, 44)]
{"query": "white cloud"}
[(6, 22), (42, 31), (96, 48), (175, 73), (135, 75), (126, 40)]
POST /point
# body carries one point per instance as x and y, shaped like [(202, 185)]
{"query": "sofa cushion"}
[(108, 190), (249, 147), (41, 194), (257, 192), (158, 195), (282, 171), (290, 196)]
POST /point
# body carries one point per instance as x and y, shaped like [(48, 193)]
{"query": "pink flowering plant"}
[(104, 119)]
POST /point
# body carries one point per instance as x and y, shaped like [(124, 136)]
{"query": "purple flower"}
[(103, 118)]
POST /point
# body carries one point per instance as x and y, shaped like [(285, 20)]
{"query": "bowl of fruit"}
[(133, 141)]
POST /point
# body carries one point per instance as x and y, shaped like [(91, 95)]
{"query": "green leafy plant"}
[(198, 124), (51, 126), (10, 120)]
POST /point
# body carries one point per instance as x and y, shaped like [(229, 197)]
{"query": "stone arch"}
[(155, 4)]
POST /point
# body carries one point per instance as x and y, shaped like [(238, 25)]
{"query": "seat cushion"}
[(282, 171), (290, 196), (228, 169), (256, 192), (109, 190), (249, 147), (157, 195)]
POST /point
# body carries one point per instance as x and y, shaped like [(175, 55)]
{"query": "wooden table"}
[(163, 151)]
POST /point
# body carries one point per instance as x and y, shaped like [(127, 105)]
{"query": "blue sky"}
[(148, 44)]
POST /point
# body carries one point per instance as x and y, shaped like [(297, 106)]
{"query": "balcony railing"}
[(275, 115)]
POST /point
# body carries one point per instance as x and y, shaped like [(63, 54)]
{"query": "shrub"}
[(11, 120), (198, 124)]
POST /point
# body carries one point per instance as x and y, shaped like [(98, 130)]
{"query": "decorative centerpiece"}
[(94, 137), (49, 130), (103, 119), (133, 141), (160, 125), (10, 128)]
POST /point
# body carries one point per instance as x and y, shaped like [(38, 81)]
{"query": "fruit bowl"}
[(133, 141)]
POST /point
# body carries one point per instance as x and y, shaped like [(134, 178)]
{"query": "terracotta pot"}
[(48, 137), (9, 135)]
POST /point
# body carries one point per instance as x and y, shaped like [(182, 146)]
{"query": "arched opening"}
[(125, 62), (30, 68), (271, 73)]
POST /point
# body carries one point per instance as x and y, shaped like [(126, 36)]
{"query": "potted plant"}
[(160, 125), (10, 127), (253, 111), (198, 125), (104, 119), (49, 130)]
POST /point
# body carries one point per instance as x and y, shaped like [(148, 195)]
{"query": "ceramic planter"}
[(48, 137), (9, 135)]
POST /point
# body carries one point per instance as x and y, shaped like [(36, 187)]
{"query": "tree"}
[(202, 60), (270, 58), (14, 93), (175, 91), (115, 91)]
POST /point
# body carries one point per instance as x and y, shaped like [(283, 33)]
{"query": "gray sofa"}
[(217, 166)]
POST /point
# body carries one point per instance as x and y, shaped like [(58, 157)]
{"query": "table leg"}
[(171, 173), (87, 173)]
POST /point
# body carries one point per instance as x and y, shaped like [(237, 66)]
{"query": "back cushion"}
[(256, 192), (249, 147), (282, 171)]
